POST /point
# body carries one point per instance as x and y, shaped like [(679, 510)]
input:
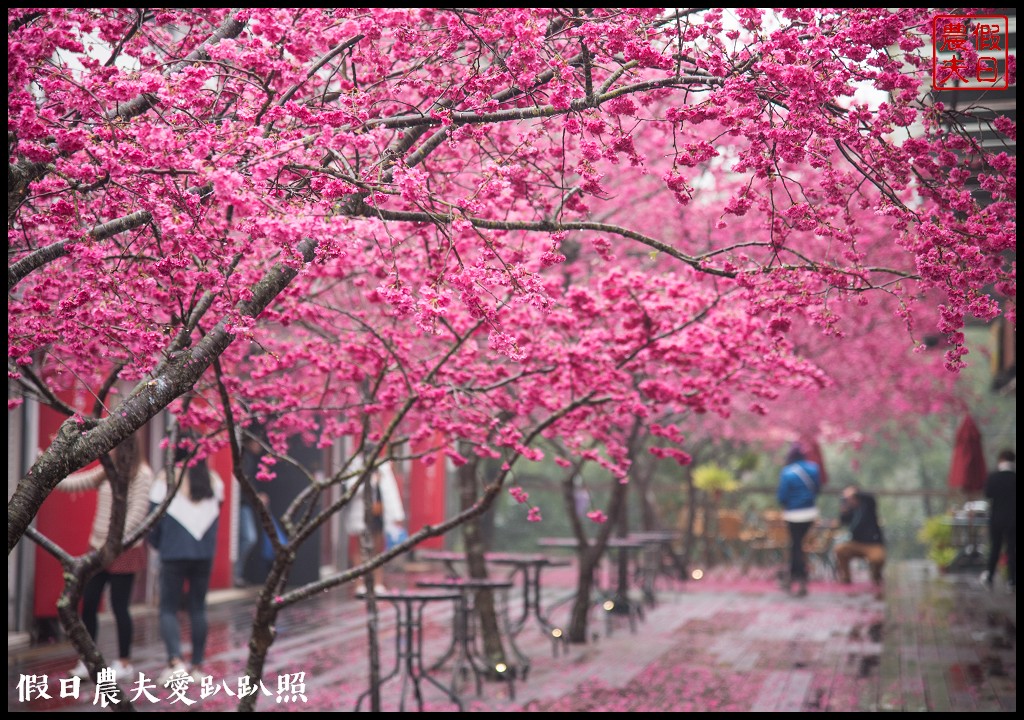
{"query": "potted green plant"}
[(715, 480), (937, 535)]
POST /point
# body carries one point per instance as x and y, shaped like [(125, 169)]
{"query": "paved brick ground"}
[(732, 642)]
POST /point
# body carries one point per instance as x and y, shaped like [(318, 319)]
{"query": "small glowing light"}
[(608, 605), (501, 667), (697, 574), (557, 632)]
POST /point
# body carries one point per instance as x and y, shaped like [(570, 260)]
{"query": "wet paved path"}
[(731, 642)]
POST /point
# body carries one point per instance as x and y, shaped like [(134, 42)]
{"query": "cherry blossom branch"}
[(20, 269), (230, 28), (315, 67), (429, 531), (20, 177), (23, 20), (548, 227), (513, 114), (60, 554), (300, 531), (36, 385), (71, 449)]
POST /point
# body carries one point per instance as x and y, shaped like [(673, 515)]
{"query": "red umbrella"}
[(967, 469)]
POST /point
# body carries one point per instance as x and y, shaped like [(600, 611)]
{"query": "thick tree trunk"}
[(688, 535), (580, 614), (473, 536), (622, 557), (264, 625)]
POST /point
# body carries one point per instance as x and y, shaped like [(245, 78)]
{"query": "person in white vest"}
[(387, 517), (186, 540)]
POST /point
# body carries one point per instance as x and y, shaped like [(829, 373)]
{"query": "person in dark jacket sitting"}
[(859, 514)]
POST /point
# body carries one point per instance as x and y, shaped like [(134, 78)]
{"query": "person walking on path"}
[(797, 493), (120, 574), (858, 512), (1001, 491), (387, 513), (186, 540)]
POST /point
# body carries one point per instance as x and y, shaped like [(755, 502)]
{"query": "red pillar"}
[(426, 501), (222, 575), (65, 518)]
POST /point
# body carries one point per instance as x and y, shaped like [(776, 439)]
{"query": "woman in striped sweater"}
[(120, 574)]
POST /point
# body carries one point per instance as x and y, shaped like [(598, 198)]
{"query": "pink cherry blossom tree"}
[(217, 156), (391, 224)]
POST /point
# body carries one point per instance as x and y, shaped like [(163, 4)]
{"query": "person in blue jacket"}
[(186, 540), (799, 485)]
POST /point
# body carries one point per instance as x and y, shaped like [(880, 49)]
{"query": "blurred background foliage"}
[(907, 467)]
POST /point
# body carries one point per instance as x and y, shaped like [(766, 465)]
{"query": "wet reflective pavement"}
[(731, 642)]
